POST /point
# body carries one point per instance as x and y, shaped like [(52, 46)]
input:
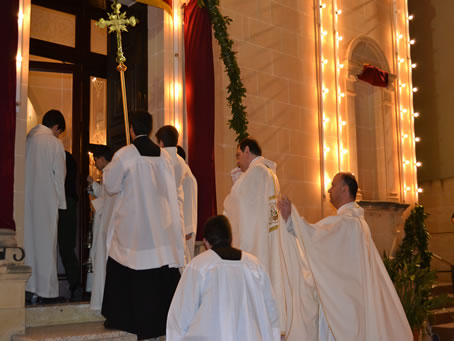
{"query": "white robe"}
[(103, 205), (356, 293), (257, 229), (187, 197), (223, 300), (145, 231), (44, 195), (190, 209)]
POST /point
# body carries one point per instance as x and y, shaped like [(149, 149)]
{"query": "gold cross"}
[(117, 23)]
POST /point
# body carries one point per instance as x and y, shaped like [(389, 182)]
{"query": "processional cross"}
[(118, 23)]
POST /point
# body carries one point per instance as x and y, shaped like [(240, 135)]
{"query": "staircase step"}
[(74, 332), (47, 315), (444, 331), (443, 316), (442, 288)]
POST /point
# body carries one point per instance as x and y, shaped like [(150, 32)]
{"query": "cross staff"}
[(118, 23)]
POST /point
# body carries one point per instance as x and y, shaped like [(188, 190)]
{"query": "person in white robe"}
[(167, 137), (257, 229), (103, 205), (145, 241), (44, 194), (189, 205), (356, 296), (224, 294)]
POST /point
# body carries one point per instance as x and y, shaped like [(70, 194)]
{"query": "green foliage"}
[(236, 90), (410, 272)]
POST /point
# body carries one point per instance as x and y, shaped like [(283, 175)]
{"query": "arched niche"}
[(372, 125)]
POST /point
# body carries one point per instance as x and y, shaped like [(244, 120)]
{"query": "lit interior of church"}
[(325, 86)]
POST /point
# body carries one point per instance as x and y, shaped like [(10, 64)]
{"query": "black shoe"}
[(108, 325), (31, 298)]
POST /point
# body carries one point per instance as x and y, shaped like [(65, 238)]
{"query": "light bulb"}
[(418, 164), (341, 66), (412, 42), (413, 65), (417, 139), (420, 190), (339, 11), (410, 17), (400, 36), (415, 89), (323, 5), (403, 85), (401, 60), (416, 114)]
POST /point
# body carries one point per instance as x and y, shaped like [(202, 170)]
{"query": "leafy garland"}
[(236, 90)]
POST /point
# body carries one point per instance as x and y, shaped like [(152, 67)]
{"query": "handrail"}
[(442, 259)]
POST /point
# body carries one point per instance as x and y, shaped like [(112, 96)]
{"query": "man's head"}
[(167, 136), (343, 189), (140, 123), (248, 149), (55, 121), (217, 232), (102, 155)]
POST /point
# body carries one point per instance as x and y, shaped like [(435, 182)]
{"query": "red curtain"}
[(8, 27), (200, 107), (373, 75)]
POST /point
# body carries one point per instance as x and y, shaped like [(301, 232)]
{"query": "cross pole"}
[(118, 23)]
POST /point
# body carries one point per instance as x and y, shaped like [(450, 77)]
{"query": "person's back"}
[(143, 224), (44, 179), (224, 294)]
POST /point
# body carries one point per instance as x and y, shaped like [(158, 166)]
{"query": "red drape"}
[(8, 27), (373, 75), (200, 107)]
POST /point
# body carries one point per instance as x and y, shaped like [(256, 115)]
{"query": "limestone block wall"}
[(277, 54), (438, 201)]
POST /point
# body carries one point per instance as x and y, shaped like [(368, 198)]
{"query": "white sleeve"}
[(113, 175), (97, 189), (184, 306), (59, 169)]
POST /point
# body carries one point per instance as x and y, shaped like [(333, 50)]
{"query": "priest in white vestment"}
[(224, 294), (103, 205), (357, 299), (44, 194), (258, 229), (167, 137), (145, 240)]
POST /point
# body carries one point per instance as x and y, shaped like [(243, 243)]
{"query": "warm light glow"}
[(341, 66), (177, 91), (413, 65), (340, 38), (325, 90), (405, 136), (412, 42), (418, 164), (324, 61), (344, 123), (20, 18), (400, 36), (93, 79), (18, 61), (403, 111), (324, 33), (403, 85), (415, 89), (410, 17), (177, 125), (420, 190), (406, 162), (327, 149), (417, 139), (401, 60), (416, 114), (408, 188), (339, 11), (323, 5)]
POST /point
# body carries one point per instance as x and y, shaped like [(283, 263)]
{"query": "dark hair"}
[(103, 151), (253, 145), (217, 231), (168, 135), (181, 152), (54, 117), (141, 122), (350, 180)]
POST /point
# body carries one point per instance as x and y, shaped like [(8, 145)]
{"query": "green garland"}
[(236, 90)]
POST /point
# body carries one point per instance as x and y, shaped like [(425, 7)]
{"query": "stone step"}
[(442, 288), (47, 315), (74, 332), (444, 331), (443, 316)]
